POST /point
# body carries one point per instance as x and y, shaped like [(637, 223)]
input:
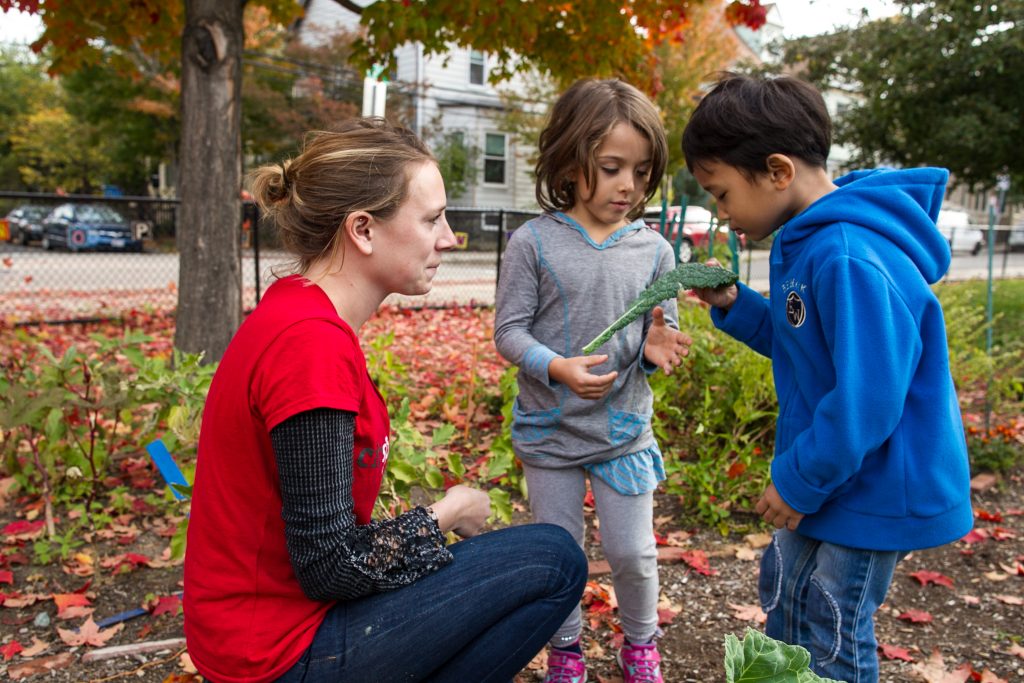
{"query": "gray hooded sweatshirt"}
[(558, 290)]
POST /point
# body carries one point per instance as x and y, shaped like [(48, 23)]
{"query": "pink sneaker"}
[(640, 663), (565, 667)]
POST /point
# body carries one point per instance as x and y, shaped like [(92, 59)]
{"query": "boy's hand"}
[(575, 373), (776, 511), (666, 347), (721, 297)]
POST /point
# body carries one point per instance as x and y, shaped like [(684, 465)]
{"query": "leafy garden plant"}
[(761, 659)]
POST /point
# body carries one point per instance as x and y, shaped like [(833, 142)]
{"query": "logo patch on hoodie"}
[(796, 311)]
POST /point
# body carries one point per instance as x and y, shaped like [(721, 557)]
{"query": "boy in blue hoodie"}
[(870, 458)]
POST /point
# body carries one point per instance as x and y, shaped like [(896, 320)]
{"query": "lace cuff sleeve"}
[(333, 558)]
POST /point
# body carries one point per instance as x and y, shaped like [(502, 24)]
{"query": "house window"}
[(476, 67), (494, 158)]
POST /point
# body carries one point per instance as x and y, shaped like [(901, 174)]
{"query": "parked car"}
[(26, 222), (955, 226), (1016, 238), (697, 224), (91, 226)]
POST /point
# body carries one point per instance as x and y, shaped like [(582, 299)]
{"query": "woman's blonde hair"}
[(360, 165), (579, 121)]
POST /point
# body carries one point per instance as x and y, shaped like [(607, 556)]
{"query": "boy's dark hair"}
[(745, 119), (580, 119)]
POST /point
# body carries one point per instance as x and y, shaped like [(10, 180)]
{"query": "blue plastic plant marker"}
[(168, 468)]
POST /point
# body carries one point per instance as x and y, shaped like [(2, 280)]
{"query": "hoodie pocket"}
[(624, 426), (533, 425)]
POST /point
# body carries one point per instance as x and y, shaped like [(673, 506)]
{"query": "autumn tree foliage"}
[(563, 39)]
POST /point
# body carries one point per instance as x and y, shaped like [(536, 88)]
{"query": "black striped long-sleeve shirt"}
[(332, 556)]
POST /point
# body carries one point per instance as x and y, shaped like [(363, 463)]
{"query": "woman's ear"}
[(781, 170), (358, 228)]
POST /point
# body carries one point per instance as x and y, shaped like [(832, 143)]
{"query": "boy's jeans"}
[(823, 597), (481, 618)]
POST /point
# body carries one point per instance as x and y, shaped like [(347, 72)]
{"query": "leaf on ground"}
[(916, 616), (89, 634), (983, 481), (185, 662), (166, 604), (745, 553), (1016, 650), (926, 577), (37, 647), (986, 516), (65, 600), (10, 649), (6, 576), (761, 658), (38, 666), (933, 670), (748, 612), (1009, 599), (989, 677), (975, 536), (125, 563), (894, 652), (758, 540), (23, 531)]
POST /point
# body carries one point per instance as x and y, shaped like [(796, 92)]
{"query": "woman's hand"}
[(720, 297), (463, 510), (575, 373), (666, 347)]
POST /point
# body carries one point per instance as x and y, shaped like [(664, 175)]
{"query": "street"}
[(36, 283)]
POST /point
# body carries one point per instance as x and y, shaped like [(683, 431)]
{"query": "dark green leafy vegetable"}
[(685, 276), (760, 659)]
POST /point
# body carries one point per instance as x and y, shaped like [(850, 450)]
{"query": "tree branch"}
[(350, 6)]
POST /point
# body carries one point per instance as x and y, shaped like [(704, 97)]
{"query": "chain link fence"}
[(58, 268)]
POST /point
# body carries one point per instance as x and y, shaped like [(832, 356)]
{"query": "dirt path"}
[(978, 621)]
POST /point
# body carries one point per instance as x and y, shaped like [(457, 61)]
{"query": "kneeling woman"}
[(286, 576)]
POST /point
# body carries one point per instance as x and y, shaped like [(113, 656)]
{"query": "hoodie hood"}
[(899, 205)]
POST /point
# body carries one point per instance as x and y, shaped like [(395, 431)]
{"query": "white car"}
[(955, 226)]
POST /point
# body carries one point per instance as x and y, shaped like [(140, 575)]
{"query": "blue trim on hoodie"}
[(869, 441)]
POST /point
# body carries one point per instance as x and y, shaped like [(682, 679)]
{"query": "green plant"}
[(386, 370), (715, 420), (761, 659), (684, 276)]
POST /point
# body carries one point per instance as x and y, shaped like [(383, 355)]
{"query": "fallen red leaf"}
[(926, 577), (893, 652), (989, 516), (65, 600), (916, 616), (6, 576), (167, 604), (10, 649)]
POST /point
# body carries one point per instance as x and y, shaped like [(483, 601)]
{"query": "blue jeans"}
[(823, 597), (481, 618)]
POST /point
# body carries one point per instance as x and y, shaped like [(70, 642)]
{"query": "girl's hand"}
[(575, 373), (463, 510), (720, 297), (776, 511), (666, 347)]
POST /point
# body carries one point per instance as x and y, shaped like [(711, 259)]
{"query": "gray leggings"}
[(627, 538)]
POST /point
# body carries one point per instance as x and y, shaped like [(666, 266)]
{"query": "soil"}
[(977, 621)]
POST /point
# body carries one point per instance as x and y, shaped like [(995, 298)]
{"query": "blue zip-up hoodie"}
[(869, 442)]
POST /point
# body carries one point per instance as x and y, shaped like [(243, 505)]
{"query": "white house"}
[(451, 93)]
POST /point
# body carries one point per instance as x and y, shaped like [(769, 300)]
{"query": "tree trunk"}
[(209, 277)]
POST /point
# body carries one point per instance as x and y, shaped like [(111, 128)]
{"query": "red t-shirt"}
[(246, 618)]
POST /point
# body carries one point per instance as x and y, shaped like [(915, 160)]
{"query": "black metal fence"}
[(62, 285)]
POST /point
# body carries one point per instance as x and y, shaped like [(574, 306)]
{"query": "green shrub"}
[(714, 418)]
